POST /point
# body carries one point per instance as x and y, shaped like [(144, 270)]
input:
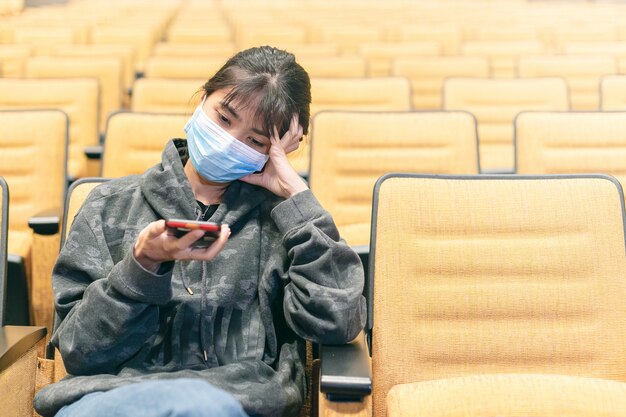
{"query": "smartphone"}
[(179, 228)]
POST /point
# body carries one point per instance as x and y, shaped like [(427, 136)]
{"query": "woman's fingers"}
[(188, 239), (154, 229)]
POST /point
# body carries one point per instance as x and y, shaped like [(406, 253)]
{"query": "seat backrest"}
[(34, 161), (107, 70), (125, 53), (582, 73), (44, 39), (495, 103), (496, 274), (351, 150), (12, 58), (155, 95), (448, 36), (353, 94), (427, 75), (247, 36), (334, 66), (348, 37), (306, 50), (134, 141), (571, 143), (192, 50), (380, 94), (613, 92), (569, 33), (191, 68), (503, 55), (380, 54), (200, 34), (76, 97), (615, 49), (501, 33), (141, 38), (4, 223), (76, 196)]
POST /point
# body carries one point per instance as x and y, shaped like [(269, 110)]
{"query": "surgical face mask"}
[(215, 154)]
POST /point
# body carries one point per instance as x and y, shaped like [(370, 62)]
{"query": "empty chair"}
[(351, 150), (33, 162), (379, 94), (183, 68), (134, 141), (495, 103), (108, 72), (520, 282), (380, 54), (571, 143), (154, 95), (503, 55), (613, 92), (77, 97), (582, 74), (334, 66), (20, 344), (427, 75)]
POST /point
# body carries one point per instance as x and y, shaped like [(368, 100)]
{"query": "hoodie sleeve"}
[(323, 299), (107, 310)]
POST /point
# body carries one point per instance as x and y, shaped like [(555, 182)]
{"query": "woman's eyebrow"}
[(230, 109), (260, 132)]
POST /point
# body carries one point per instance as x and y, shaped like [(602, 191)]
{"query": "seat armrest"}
[(93, 152), (15, 341), (346, 373), (46, 222)]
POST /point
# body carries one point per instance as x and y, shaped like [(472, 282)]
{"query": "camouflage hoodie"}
[(284, 276)]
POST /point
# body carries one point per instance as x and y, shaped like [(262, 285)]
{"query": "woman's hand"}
[(279, 176), (155, 246)]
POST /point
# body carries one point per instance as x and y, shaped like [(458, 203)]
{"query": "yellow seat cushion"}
[(508, 395)]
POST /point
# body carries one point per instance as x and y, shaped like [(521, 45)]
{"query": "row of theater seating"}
[(494, 102), (349, 151), (490, 295)]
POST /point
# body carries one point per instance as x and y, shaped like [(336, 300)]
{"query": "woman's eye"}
[(223, 118), (257, 143)]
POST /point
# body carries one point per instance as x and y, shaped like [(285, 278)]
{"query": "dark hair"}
[(272, 80)]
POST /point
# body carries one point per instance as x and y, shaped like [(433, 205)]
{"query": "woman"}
[(153, 325)]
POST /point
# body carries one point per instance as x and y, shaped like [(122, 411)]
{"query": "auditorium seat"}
[(495, 103)]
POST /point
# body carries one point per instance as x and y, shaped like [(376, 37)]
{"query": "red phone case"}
[(192, 225)]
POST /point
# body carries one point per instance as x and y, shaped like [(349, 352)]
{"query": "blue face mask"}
[(215, 154)]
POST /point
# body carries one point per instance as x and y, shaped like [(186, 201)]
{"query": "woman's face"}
[(238, 121)]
